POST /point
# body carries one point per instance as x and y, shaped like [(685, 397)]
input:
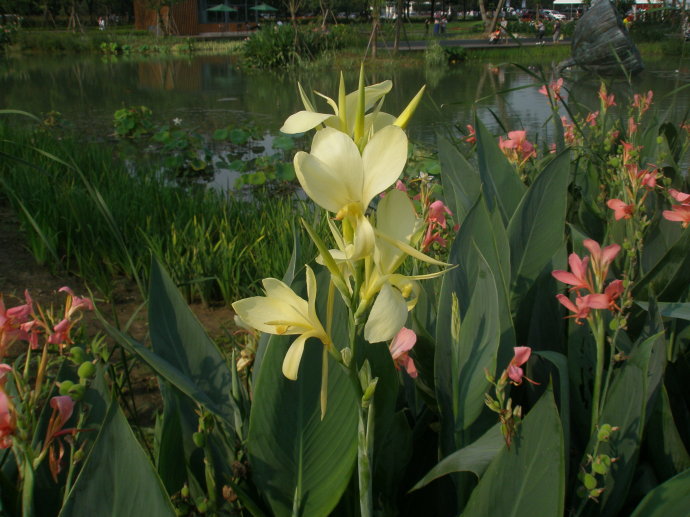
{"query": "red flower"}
[(401, 344), (679, 213), (620, 209), (515, 373)]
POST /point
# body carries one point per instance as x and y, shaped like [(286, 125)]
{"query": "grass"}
[(101, 220)]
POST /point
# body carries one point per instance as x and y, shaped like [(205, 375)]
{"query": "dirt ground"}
[(19, 271)]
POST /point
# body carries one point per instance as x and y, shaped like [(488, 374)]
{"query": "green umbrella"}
[(222, 8), (263, 8)]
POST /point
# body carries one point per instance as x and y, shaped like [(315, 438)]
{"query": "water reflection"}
[(210, 92)]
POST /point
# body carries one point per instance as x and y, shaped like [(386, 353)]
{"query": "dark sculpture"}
[(601, 43)]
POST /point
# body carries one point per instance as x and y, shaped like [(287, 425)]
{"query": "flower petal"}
[(387, 316), (294, 356), (383, 158), (303, 121)]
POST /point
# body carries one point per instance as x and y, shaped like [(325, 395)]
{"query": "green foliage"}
[(281, 46), (133, 122), (434, 54), (206, 238)]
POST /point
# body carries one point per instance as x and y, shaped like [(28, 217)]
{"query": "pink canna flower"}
[(11, 320), (681, 197), (4, 370), (60, 335), (399, 348), (7, 421), (554, 88), (632, 126), (580, 309), (514, 370), (643, 102), (612, 292), (74, 302), (577, 277), (606, 100), (471, 137), (592, 118), (516, 147), (63, 407), (678, 213), (437, 213), (601, 259), (620, 209)]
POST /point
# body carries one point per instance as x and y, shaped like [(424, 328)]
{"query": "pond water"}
[(211, 92)]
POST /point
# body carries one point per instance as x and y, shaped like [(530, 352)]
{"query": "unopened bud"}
[(76, 391), (589, 481), (199, 439), (65, 387), (346, 354), (369, 392), (87, 370), (76, 355)]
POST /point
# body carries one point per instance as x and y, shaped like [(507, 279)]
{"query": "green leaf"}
[(665, 261), (670, 499), (117, 477), (180, 340), (475, 458), (461, 182), (502, 186), (668, 453), (625, 407), (671, 310), (529, 478), (283, 142), (299, 461), (536, 229), (476, 348)]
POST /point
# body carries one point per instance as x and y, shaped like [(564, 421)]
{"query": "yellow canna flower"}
[(340, 179), (395, 294), (350, 109), (281, 312)]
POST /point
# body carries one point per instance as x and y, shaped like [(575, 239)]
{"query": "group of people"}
[(501, 32), (439, 25)]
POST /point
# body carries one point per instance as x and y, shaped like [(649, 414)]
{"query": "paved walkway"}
[(474, 43)]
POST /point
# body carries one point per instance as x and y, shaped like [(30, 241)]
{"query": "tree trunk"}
[(398, 24), (499, 8)]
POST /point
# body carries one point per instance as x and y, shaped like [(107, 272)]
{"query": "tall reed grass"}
[(85, 212)]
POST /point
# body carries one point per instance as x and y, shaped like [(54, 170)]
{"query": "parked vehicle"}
[(552, 14)]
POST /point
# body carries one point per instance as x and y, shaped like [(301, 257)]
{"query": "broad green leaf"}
[(179, 339), (117, 477), (668, 452), (670, 499), (625, 407), (461, 182), (479, 246), (560, 361), (473, 458), (671, 310), (536, 229), (529, 478), (665, 261), (476, 348), (502, 186), (300, 463)]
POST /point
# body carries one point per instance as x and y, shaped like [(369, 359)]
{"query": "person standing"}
[(556, 30), (437, 26), (539, 25)]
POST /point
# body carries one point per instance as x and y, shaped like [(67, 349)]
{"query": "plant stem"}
[(600, 337)]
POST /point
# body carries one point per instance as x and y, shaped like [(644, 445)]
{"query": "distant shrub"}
[(280, 46)]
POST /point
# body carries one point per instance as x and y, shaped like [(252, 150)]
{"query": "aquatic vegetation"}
[(515, 323)]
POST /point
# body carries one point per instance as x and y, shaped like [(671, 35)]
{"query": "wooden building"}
[(192, 17)]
